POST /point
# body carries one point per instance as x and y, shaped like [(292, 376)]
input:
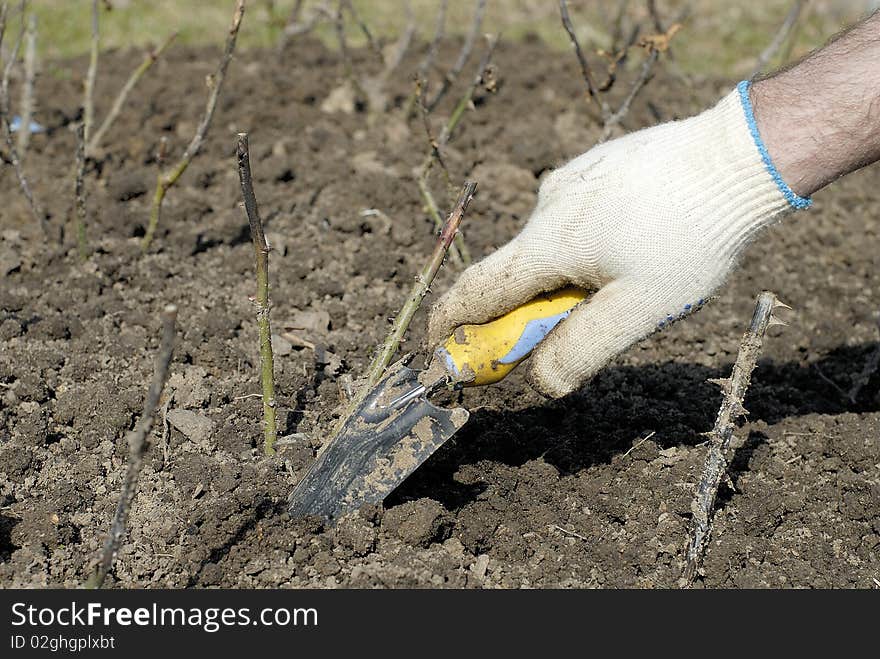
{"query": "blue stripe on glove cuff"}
[(793, 198)]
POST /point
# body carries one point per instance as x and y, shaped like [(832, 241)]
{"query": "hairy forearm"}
[(820, 119)]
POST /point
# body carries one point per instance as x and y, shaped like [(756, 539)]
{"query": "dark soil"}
[(530, 493)]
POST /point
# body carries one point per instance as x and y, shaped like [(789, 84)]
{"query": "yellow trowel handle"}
[(484, 354)]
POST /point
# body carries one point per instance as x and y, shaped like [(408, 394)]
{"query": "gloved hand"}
[(653, 222)]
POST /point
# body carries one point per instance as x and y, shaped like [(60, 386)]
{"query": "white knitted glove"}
[(653, 222)]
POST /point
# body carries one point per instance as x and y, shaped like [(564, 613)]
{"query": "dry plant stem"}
[(421, 286), (655, 15), (463, 56), (734, 389), (614, 119), (6, 128), (365, 30), (428, 60), (348, 67), (27, 89), (781, 35), (169, 177), (617, 25), (138, 445), (295, 28), (119, 101), (403, 43), (465, 102), (619, 115), (460, 252), (431, 54), (582, 60), (80, 192), (261, 257), (89, 87)]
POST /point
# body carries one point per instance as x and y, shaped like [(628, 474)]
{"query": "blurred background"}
[(722, 37)]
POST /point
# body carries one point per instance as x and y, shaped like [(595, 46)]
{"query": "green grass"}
[(722, 38)]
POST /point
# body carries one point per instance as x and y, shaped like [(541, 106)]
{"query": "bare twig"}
[(403, 43), (467, 98), (613, 120), (781, 35), (573, 534), (420, 287), (373, 87), (426, 122), (655, 15), (130, 84), (12, 154), (389, 346), (169, 177), (295, 27), (27, 90), (138, 445), (430, 54), (655, 44), (349, 5), (80, 192), (89, 85), (339, 26), (261, 257), (830, 382), (439, 31), (734, 389), (587, 73), (463, 56), (640, 442), (617, 25), (460, 252)]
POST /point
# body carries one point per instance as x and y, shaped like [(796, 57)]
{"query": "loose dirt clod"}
[(418, 523)]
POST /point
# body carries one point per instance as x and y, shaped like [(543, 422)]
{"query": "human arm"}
[(655, 221)]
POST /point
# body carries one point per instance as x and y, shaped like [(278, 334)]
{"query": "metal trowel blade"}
[(378, 447)]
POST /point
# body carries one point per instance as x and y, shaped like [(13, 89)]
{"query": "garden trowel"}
[(396, 427)]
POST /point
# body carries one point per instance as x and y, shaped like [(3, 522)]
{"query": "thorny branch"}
[(403, 43), (587, 73), (617, 25), (138, 445), (734, 389), (463, 56), (12, 154), (654, 44), (459, 250), (261, 258), (295, 27), (119, 101), (169, 177), (430, 55), (421, 285), (420, 288)]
